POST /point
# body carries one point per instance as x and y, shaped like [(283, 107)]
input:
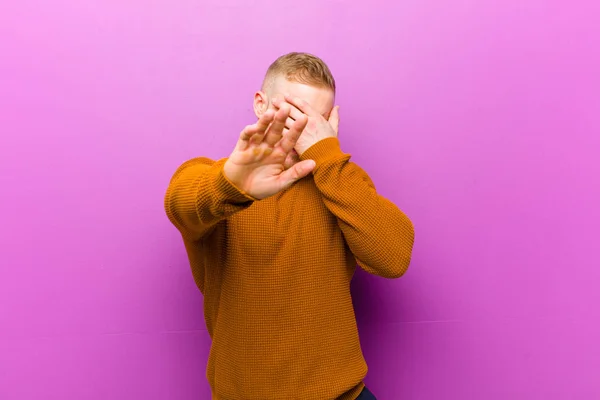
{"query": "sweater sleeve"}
[(199, 196), (378, 234)]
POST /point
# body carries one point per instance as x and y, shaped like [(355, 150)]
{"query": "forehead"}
[(321, 99)]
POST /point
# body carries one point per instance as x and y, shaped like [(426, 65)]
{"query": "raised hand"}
[(317, 127), (256, 165)]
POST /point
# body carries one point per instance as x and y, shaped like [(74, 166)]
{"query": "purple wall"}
[(478, 118)]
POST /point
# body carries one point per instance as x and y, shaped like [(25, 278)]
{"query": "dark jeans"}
[(366, 395)]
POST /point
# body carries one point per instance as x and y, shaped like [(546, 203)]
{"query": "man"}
[(273, 234)]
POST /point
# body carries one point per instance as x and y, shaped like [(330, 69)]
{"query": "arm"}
[(199, 196), (379, 235), (203, 192)]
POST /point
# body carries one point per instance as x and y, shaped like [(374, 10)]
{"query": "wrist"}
[(227, 181), (324, 150)]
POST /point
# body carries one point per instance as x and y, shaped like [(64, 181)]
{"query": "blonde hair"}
[(302, 68)]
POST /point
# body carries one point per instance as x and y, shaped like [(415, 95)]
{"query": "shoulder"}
[(197, 163)]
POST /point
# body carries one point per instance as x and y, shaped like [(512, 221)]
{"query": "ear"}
[(261, 103)]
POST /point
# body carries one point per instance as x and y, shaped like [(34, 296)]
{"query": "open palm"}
[(256, 165)]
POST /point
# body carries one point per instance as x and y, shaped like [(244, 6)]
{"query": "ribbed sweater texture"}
[(275, 273)]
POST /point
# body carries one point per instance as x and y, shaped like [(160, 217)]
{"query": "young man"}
[(273, 234)]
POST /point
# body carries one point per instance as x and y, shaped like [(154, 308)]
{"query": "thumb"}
[(334, 118), (295, 173)]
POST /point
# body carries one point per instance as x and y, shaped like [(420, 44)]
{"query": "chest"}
[(294, 221)]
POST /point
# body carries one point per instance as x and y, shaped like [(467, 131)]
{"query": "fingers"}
[(288, 124), (275, 131), (334, 118), (259, 127), (295, 113), (295, 173), (289, 140), (301, 105)]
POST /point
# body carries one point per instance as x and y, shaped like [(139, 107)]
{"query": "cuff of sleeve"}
[(322, 151), (228, 191)]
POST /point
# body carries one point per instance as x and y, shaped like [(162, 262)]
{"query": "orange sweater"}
[(275, 274)]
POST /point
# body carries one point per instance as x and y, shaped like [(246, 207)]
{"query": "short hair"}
[(302, 68)]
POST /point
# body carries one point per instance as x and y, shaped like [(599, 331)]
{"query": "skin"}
[(317, 101), (292, 117)]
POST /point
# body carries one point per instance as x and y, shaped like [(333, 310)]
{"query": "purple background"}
[(480, 119)]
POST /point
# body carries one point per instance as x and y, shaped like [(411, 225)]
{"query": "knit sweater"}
[(275, 273)]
